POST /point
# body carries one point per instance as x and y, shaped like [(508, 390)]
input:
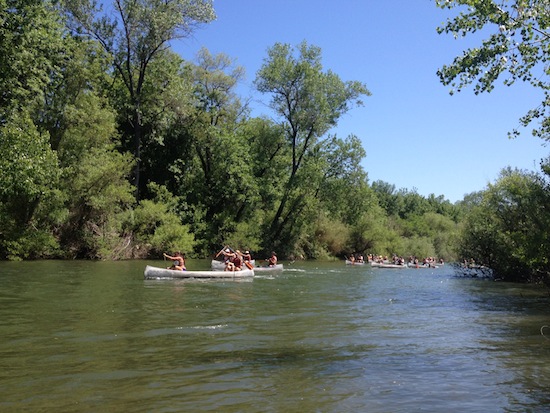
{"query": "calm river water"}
[(320, 337)]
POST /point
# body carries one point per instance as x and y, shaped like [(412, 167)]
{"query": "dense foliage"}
[(506, 228), (506, 225)]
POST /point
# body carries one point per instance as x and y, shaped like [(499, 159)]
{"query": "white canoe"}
[(348, 262), (413, 265), (387, 265), (273, 268), (156, 272)]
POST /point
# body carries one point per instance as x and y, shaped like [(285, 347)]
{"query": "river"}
[(320, 337)]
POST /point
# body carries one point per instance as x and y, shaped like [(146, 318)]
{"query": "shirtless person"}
[(178, 261)]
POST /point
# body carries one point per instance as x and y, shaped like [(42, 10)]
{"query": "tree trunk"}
[(137, 150)]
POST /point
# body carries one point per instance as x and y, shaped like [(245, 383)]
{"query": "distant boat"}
[(157, 272), (386, 265), (268, 269), (349, 262), (419, 265)]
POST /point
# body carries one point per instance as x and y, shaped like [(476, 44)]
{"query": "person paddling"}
[(247, 256), (178, 261), (237, 261), (247, 260), (272, 261), (229, 259)]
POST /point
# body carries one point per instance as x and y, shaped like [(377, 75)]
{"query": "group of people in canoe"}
[(357, 259), (427, 262), (233, 260), (395, 259)]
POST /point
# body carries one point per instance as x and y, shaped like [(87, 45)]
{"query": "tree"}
[(309, 103), (518, 46), (344, 188), (387, 196), (135, 34), (31, 48), (216, 176), (30, 201), (507, 230), (158, 229), (369, 232), (169, 110), (270, 158), (94, 178), (31, 43)]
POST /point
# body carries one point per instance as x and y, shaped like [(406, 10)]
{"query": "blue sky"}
[(415, 134)]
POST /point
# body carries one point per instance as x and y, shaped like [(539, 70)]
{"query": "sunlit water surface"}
[(320, 337)]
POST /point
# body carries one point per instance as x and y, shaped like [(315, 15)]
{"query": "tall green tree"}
[(215, 178), (30, 201), (309, 102), (31, 44), (169, 110), (516, 48), (344, 197), (387, 196), (31, 48), (344, 188), (134, 33), (268, 155), (94, 176)]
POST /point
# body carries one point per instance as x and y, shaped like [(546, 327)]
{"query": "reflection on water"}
[(81, 336)]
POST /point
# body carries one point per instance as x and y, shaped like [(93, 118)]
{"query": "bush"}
[(155, 229)]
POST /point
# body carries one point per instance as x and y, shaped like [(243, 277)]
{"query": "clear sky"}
[(415, 134)]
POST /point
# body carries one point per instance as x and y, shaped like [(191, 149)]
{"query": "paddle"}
[(218, 254)]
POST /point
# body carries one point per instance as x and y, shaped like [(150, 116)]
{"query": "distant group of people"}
[(356, 259), (396, 259), (383, 259), (234, 260), (377, 258), (428, 261)]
